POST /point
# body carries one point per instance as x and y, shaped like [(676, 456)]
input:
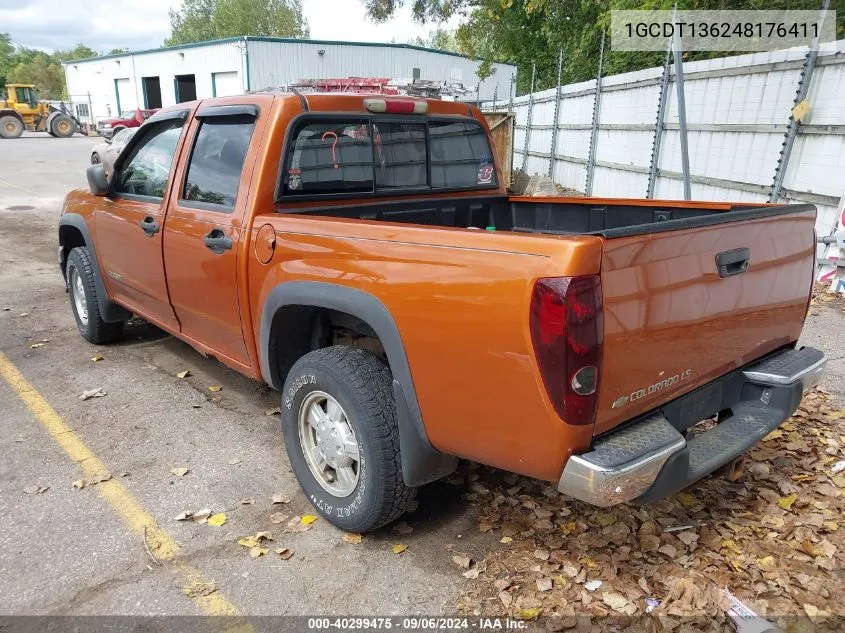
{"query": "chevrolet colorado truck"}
[(360, 254)]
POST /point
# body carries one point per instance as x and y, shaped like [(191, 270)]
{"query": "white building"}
[(165, 76)]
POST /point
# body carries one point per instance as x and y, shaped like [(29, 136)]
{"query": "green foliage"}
[(533, 31), (31, 66), (200, 20), (441, 39), (80, 51)]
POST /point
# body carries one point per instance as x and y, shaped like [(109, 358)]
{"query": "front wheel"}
[(62, 126), (95, 158), (83, 299), (342, 439)]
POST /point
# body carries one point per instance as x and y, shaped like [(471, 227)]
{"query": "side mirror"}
[(97, 181), (107, 141)]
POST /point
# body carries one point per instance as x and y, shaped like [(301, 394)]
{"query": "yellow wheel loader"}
[(22, 110)]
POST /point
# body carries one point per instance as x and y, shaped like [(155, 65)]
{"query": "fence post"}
[(553, 150), (92, 122), (682, 110), (658, 126), (513, 81), (594, 129), (530, 116), (793, 125)]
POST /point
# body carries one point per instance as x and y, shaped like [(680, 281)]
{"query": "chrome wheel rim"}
[(329, 444), (95, 159), (78, 291)]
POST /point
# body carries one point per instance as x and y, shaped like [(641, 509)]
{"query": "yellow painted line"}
[(11, 184), (127, 507)]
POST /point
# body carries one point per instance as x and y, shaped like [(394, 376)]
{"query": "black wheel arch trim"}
[(109, 312), (421, 462)]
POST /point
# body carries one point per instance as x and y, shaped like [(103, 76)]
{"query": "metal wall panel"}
[(276, 63), (746, 90), (96, 76)]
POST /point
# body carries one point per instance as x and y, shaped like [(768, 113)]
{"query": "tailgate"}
[(673, 321)]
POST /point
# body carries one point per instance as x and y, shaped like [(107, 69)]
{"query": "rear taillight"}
[(396, 106), (567, 329)]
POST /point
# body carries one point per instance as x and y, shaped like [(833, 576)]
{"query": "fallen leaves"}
[(99, 392), (183, 374), (279, 498), (787, 502), (199, 589), (180, 471), (774, 537), (215, 388), (96, 479), (351, 538), (217, 520), (97, 359), (399, 548), (300, 523), (36, 490), (284, 553), (200, 516), (279, 517)]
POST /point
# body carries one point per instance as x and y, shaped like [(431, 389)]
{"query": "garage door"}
[(225, 84), (125, 95)]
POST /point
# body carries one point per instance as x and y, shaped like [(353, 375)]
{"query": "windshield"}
[(127, 114)]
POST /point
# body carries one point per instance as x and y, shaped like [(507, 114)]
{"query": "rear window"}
[(373, 155)]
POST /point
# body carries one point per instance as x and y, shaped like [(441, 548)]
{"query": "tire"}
[(82, 289), (363, 388), (10, 126), (95, 158), (62, 126)]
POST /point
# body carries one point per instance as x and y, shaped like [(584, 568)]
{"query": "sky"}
[(139, 24)]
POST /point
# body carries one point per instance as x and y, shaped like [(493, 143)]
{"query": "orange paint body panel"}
[(460, 298)]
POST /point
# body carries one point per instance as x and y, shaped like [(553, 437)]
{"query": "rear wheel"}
[(83, 299), (341, 436), (10, 126), (62, 126)]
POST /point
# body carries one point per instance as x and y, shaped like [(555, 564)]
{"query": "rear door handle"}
[(734, 262), (149, 225), (217, 241)]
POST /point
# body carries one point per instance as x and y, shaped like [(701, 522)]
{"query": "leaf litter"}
[(771, 538)]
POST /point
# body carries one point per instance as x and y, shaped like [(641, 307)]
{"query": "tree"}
[(7, 53), (80, 51), (441, 39), (118, 51), (41, 69), (533, 31), (200, 20)]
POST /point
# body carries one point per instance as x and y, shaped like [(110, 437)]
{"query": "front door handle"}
[(149, 226), (733, 262), (217, 241)]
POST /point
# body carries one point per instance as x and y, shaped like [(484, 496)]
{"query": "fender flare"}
[(109, 312), (421, 462)]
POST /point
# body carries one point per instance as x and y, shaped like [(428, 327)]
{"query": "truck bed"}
[(607, 217)]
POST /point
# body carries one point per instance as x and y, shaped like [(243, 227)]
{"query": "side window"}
[(218, 159), (326, 157), (460, 155), (400, 155), (145, 169)]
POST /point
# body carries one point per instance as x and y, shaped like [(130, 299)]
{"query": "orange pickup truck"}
[(361, 255)]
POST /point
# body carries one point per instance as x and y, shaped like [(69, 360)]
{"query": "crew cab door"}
[(128, 223), (206, 224)]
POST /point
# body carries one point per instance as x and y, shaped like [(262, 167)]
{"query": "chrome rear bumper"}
[(650, 458)]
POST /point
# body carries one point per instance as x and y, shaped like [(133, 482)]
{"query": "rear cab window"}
[(328, 155)]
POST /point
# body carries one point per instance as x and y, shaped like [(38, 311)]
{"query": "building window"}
[(82, 111)]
